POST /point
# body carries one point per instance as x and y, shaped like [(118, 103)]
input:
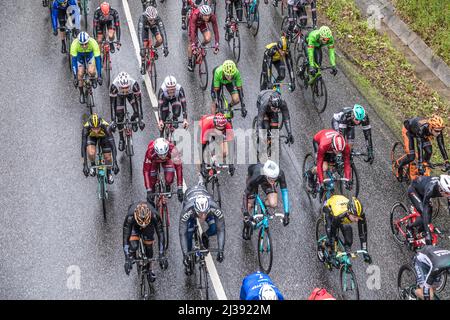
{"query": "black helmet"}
[(275, 100)]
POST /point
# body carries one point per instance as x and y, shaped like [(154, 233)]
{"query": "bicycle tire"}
[(204, 287), (203, 71), (255, 137), (320, 224), (153, 75), (164, 213), (263, 234), (103, 196), (443, 282), (355, 179), (236, 49), (343, 273), (403, 212), (319, 89), (309, 159), (412, 285), (129, 151), (217, 191), (397, 151), (108, 70)]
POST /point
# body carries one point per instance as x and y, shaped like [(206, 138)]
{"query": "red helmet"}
[(220, 120), (105, 8), (338, 143)]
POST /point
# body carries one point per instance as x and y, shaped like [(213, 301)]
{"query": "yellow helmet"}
[(94, 120), (282, 44), (142, 214), (436, 122), (355, 207), (229, 68)]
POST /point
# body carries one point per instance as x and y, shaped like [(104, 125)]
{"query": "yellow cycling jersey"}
[(276, 56), (338, 205), (101, 133)]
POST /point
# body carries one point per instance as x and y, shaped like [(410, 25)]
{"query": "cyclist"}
[(150, 21), (345, 121), (227, 75), (420, 193), (340, 212), (327, 145), (423, 130), (269, 103), (142, 221), (278, 54), (97, 130), (106, 17), (60, 9), (199, 20), (259, 286), (229, 10), (122, 89), (212, 127), (320, 294), (189, 4), (172, 94), (85, 52), (198, 203), (429, 263), (297, 9), (164, 153), (312, 49), (268, 176)]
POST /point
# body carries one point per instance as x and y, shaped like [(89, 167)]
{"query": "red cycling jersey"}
[(170, 164), (207, 128), (196, 23), (324, 138)]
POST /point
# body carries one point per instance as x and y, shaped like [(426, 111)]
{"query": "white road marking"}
[(217, 284)]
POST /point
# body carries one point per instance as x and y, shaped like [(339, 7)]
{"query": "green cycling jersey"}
[(92, 46), (313, 42), (220, 79)]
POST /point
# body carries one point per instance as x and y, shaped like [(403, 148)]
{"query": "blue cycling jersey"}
[(252, 284), (74, 10)]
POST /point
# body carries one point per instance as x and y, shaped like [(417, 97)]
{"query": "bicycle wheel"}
[(436, 205), (321, 237), (203, 73), (406, 283), (397, 151), (204, 287), (349, 284), (68, 43), (398, 230), (355, 183), (164, 214), (153, 74), (308, 163), (255, 137), (443, 281), (129, 150), (319, 95), (108, 70), (263, 82), (236, 46), (253, 21), (285, 24), (102, 194), (217, 195), (265, 250)]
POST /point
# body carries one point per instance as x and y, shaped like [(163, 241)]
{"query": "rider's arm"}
[(290, 68), (55, 16), (320, 157), (97, 55), (347, 164), (74, 54), (217, 83), (331, 52), (147, 168), (110, 137), (127, 227), (215, 28), (420, 146), (284, 192), (161, 102), (314, 12), (183, 229), (138, 99), (286, 117), (162, 29), (141, 31), (220, 225), (95, 22), (182, 98), (113, 101), (367, 130), (362, 231), (176, 158), (157, 224), (440, 142), (117, 23), (193, 27), (311, 48)]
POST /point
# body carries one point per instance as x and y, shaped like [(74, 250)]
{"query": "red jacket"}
[(323, 138), (196, 22), (207, 128), (320, 294), (152, 162)]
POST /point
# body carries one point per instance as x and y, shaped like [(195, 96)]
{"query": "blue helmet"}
[(83, 37), (358, 112)]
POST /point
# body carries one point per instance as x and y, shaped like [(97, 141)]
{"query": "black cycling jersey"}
[(105, 134), (112, 19), (267, 116), (343, 122), (178, 102), (144, 24)]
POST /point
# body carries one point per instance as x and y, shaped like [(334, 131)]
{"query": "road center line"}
[(217, 284)]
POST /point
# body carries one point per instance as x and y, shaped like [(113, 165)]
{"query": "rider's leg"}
[(176, 112), (347, 232), (159, 40), (281, 70), (148, 247), (206, 37), (92, 71), (134, 244), (303, 15), (90, 151), (147, 44), (183, 15), (80, 81), (215, 94), (427, 152), (189, 54), (271, 200), (111, 35), (314, 13), (169, 173), (108, 157), (239, 10), (62, 22)]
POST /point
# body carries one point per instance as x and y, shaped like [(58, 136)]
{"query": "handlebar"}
[(102, 166), (164, 194), (203, 251), (358, 252)]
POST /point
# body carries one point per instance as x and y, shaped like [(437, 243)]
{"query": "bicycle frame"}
[(418, 242), (265, 215)]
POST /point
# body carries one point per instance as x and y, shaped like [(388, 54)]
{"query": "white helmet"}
[(201, 204), (161, 147), (83, 37), (123, 79), (151, 12), (444, 183), (271, 169), (170, 82), (205, 10), (267, 293)]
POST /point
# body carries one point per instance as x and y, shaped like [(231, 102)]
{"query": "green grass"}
[(431, 20)]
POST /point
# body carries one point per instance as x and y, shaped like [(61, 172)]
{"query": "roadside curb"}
[(385, 11)]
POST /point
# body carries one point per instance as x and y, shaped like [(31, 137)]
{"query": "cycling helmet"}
[(444, 183), (220, 120), (83, 37), (161, 147), (229, 68), (151, 13), (201, 204), (283, 43), (358, 112), (275, 100), (123, 80), (354, 207), (105, 7), (271, 170), (170, 82), (205, 10), (436, 122), (325, 32), (62, 2), (267, 293), (338, 143), (94, 120), (142, 214)]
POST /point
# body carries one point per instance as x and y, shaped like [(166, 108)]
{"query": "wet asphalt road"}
[(51, 218)]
